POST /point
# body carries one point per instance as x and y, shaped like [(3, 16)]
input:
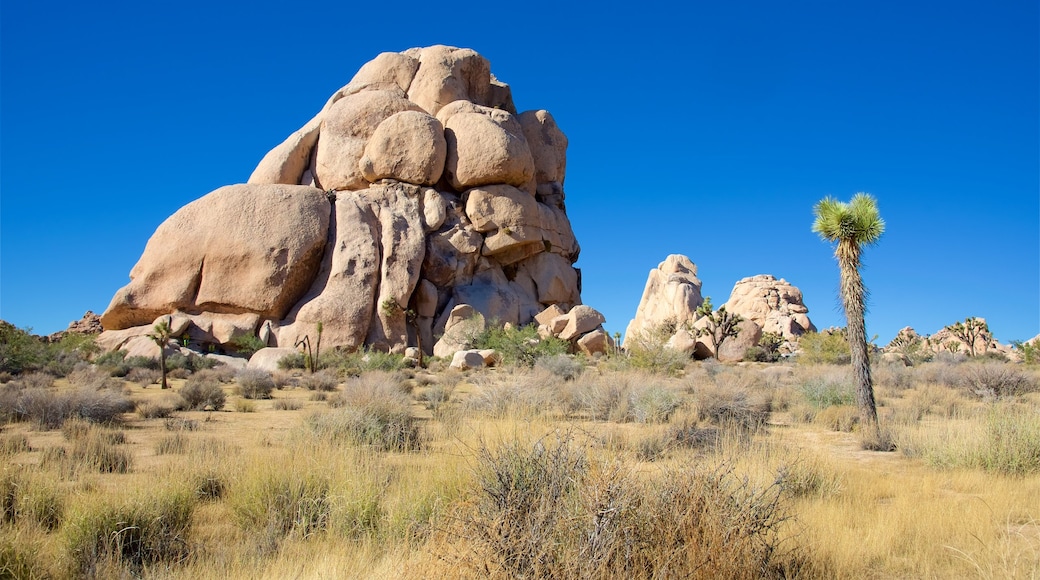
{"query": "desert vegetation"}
[(547, 466)]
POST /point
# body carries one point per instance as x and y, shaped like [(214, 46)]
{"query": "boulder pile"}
[(668, 312), (417, 189)]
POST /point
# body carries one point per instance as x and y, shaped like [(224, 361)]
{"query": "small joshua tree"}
[(160, 335), (720, 324), (970, 331), (310, 358)]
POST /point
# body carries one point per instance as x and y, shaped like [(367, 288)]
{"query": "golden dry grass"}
[(381, 514)]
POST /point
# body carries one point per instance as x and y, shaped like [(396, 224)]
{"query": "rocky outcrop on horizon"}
[(416, 189), (673, 294)]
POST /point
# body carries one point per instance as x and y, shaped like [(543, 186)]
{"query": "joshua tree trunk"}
[(853, 299), (162, 365)]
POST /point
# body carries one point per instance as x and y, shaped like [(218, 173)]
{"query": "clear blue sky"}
[(705, 128)]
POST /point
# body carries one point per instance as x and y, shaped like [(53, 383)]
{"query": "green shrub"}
[(203, 391), (192, 363), (519, 346), (247, 344), (824, 348), (254, 384), (20, 351), (823, 392)]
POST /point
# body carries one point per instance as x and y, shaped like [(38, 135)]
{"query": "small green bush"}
[(519, 346), (823, 392), (824, 348)]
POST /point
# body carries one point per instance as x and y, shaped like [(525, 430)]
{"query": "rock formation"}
[(774, 305), (416, 189), (89, 324), (668, 311)]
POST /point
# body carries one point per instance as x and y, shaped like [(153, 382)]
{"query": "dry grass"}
[(780, 492)]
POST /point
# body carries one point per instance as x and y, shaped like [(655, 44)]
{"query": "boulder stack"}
[(416, 189)]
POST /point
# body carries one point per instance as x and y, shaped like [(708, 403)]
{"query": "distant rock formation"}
[(774, 305), (416, 189), (673, 294), (89, 324)]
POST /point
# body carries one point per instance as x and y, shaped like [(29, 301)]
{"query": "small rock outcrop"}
[(417, 188), (668, 313), (89, 324)]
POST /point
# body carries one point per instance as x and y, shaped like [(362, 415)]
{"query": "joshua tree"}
[(161, 336), (720, 326), (970, 331), (853, 225)]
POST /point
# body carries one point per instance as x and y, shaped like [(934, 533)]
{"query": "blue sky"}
[(706, 128)]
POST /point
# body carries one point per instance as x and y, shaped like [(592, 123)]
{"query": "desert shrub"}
[(286, 405), (646, 351), (519, 345), (603, 398), (203, 391), (292, 361), (30, 498), (161, 408), (803, 478), (172, 444), (323, 380), (130, 534), (560, 365), (247, 344), (824, 348), (436, 396), (13, 443), (5, 377), (254, 384), (371, 410), (653, 404), (49, 408), (143, 376), (838, 417), (112, 360), (192, 363), (20, 351), (730, 406), (828, 391), (894, 376), (92, 451), (36, 380), (177, 424), (997, 380), (281, 502), (244, 406), (142, 362), (94, 378), (545, 511)]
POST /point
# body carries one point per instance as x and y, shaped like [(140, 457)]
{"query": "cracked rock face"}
[(417, 188)]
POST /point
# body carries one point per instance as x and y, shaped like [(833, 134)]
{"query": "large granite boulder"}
[(416, 188)]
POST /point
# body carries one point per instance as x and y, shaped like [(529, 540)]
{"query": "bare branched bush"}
[(50, 408), (997, 380), (286, 405), (144, 376), (560, 365), (544, 510), (731, 407), (89, 377)]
